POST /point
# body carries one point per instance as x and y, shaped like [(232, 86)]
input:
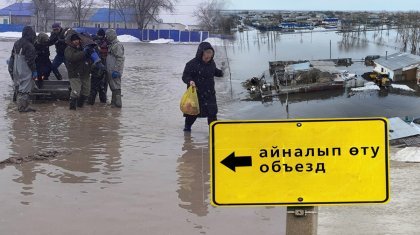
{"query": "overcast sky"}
[(185, 8), (342, 5)]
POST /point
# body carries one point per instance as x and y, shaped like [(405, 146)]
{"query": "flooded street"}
[(128, 171), (134, 171)]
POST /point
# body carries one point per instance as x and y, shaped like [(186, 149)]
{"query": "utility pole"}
[(330, 49), (115, 9), (54, 11), (109, 14)]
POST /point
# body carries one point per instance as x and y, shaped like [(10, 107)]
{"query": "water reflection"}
[(193, 171), (88, 142)]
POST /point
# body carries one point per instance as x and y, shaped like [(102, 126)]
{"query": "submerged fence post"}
[(330, 49)]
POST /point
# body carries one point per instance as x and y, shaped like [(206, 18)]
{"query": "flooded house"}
[(286, 77), (398, 66)]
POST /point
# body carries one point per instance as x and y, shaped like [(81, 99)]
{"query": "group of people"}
[(93, 62)]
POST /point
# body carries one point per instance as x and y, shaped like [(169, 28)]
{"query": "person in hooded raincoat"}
[(23, 67), (114, 66), (200, 72)]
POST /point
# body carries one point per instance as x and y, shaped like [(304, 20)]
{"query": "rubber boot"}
[(15, 93), (118, 101), (91, 99), (113, 98), (73, 103), (81, 101), (103, 90), (102, 95), (23, 103)]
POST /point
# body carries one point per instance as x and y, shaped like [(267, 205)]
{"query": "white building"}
[(398, 66)]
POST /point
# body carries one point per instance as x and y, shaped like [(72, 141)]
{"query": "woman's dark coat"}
[(203, 75)]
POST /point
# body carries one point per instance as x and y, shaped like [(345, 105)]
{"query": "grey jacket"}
[(115, 58)]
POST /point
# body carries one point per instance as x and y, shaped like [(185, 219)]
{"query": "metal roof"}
[(18, 9), (105, 14), (398, 61), (401, 129)]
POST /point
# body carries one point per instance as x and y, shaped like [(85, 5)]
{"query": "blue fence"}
[(144, 35), (11, 28), (150, 34)]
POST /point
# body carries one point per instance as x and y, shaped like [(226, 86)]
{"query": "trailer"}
[(51, 90)]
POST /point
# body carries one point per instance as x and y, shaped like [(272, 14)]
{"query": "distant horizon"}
[(268, 10), (325, 5)]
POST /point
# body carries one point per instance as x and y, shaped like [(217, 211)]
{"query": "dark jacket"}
[(78, 65), (203, 75), (102, 46), (59, 40), (25, 45), (43, 53), (43, 62)]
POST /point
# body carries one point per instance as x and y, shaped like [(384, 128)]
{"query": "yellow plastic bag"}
[(189, 102)]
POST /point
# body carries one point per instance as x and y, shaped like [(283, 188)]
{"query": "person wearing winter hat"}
[(78, 68), (57, 38)]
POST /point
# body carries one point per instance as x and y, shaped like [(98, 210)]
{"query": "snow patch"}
[(11, 35), (368, 86), (215, 41), (409, 154), (162, 41), (402, 87), (15, 34), (128, 38)]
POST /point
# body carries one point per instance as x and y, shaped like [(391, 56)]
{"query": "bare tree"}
[(80, 9), (124, 9), (142, 11), (208, 14), (42, 11), (147, 10)]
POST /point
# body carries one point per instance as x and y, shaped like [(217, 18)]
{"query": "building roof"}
[(18, 9), (398, 61), (105, 15)]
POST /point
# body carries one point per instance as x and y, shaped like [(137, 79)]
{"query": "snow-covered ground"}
[(128, 38), (162, 41), (368, 86), (408, 154), (373, 86), (402, 87)]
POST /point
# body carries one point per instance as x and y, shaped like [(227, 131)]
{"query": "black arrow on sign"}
[(232, 162)]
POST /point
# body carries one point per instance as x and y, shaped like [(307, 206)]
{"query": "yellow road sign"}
[(299, 162)]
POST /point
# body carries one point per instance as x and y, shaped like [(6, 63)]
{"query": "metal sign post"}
[(301, 164), (302, 220)]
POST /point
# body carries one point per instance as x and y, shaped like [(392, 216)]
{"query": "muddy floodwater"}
[(134, 171)]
